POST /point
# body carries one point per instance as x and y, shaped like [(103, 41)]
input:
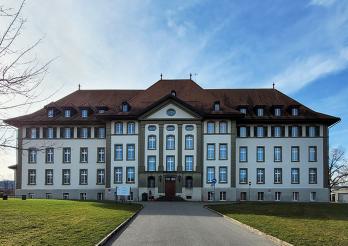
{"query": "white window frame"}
[(101, 154), (189, 163), (118, 175)]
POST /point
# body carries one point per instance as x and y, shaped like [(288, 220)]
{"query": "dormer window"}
[(243, 110), (277, 112), (125, 107), (173, 93), (84, 113), (50, 113), (100, 111), (67, 113), (216, 106), (259, 112), (294, 111)]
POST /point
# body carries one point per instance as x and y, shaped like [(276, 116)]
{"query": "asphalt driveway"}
[(184, 223)]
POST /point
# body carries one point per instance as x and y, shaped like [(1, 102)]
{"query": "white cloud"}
[(322, 2)]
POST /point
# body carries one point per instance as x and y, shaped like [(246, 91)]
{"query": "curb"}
[(119, 228), (252, 229)]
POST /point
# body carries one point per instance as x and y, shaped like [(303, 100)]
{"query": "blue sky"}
[(302, 46)]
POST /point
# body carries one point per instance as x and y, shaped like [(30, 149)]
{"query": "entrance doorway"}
[(170, 188)]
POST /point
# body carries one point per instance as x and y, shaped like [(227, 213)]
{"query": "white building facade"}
[(174, 140)]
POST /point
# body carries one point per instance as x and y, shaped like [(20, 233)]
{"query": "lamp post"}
[(249, 189)]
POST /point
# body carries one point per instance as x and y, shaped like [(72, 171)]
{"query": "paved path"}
[(184, 223)]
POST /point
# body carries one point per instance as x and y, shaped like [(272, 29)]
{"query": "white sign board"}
[(123, 190)]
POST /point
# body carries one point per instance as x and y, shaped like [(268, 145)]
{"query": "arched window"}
[(130, 128), (211, 127), (170, 142), (151, 142), (189, 142), (223, 127), (119, 128)]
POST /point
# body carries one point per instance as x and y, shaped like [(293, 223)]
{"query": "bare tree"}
[(21, 73), (338, 168)]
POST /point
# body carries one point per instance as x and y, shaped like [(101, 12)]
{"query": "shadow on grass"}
[(131, 207)]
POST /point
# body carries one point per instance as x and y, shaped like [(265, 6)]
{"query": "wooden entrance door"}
[(170, 188)]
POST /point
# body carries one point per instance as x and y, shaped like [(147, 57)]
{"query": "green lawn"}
[(59, 222), (296, 223)]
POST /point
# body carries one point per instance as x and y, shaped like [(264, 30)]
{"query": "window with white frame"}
[(84, 113), (312, 131), (222, 195), (189, 142), (295, 196), (100, 132), (66, 155), (295, 175), (83, 196), (278, 131), (222, 151), (277, 154), (295, 153), (151, 163), (313, 196), (243, 110), (83, 176), (130, 128), (151, 142), (66, 176), (216, 106), (50, 113), (210, 174), (31, 176), (294, 131), (130, 152), (260, 196), (243, 175), (101, 154), (243, 132), (118, 152), (313, 175), (278, 112), (260, 153), (210, 196), (260, 112), (65, 196), (170, 163), (100, 176), (260, 175), (50, 133), (294, 112), (277, 196), (118, 128), (49, 176), (130, 175), (125, 107), (222, 174), (189, 163), (32, 155), (84, 155), (278, 175), (34, 133), (170, 142), (100, 196), (67, 113), (118, 175), (312, 153), (243, 154), (84, 132), (211, 127), (222, 127), (260, 131), (67, 132), (211, 151)]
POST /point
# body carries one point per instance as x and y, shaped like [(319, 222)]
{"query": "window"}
[(170, 128), (66, 176), (295, 196), (50, 113), (277, 111), (260, 196), (151, 128), (259, 112), (130, 152), (243, 132), (48, 195), (222, 151), (294, 111), (243, 110), (210, 174), (260, 131), (295, 153), (100, 132), (83, 196), (32, 155), (170, 164), (151, 163), (31, 176), (118, 175), (130, 128), (216, 106), (294, 131), (243, 196), (312, 175), (211, 151), (130, 175), (170, 143), (189, 142), (83, 176), (31, 195), (313, 196), (171, 112), (101, 154), (118, 128), (210, 196), (84, 155), (188, 182), (312, 153), (84, 113), (34, 133), (189, 128), (243, 154), (260, 154), (243, 175), (295, 175), (222, 195), (278, 176), (118, 152), (151, 142), (50, 133), (277, 154), (189, 163), (100, 196), (313, 131), (67, 132), (223, 127), (49, 176), (222, 174), (277, 131), (100, 176), (260, 175), (67, 113), (65, 196), (66, 155), (125, 107), (84, 132), (173, 93), (211, 127), (277, 196)]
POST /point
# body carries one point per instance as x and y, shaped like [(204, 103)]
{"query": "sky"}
[(301, 46)]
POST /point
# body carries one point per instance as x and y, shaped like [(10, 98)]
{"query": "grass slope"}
[(297, 223), (58, 222)]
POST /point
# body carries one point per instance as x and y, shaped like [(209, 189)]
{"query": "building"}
[(175, 139), (340, 194)]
